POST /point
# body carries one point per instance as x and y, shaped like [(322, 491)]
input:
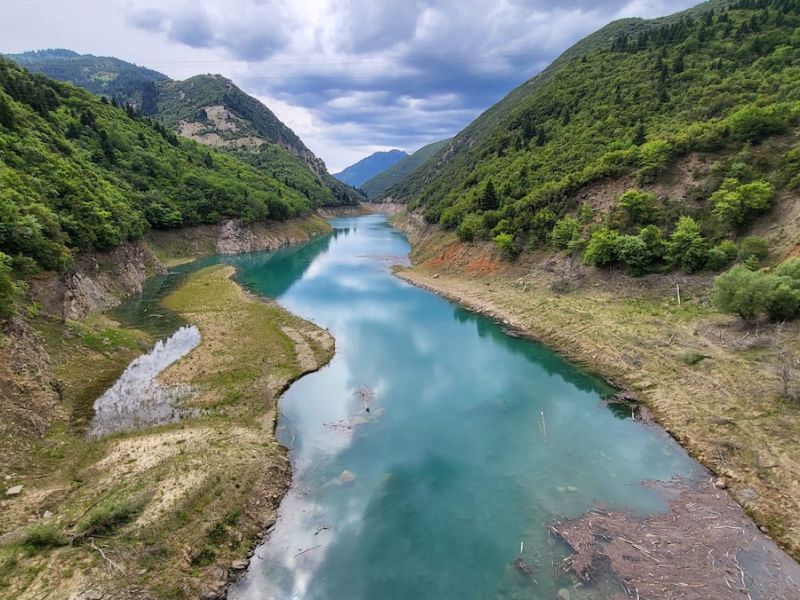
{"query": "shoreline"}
[(690, 537), (232, 439)]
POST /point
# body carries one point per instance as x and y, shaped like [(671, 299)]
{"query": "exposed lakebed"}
[(473, 443), (432, 455)]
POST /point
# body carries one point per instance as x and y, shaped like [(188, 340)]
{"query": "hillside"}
[(369, 167), (207, 108), (625, 104), (79, 174), (377, 185), (121, 81)]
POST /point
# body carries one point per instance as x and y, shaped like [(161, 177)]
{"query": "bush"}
[(44, 535), (753, 248), (721, 255), (564, 231), (653, 159), (603, 248), (687, 247), (505, 243), (736, 204), (9, 290), (784, 299), (634, 208), (632, 251), (111, 515), (469, 228), (743, 292), (751, 123)]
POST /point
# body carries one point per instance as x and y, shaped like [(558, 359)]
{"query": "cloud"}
[(348, 75)]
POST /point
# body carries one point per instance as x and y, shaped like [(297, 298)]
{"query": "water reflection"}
[(431, 496), (137, 400)]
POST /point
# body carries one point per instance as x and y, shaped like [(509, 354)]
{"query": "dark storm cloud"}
[(192, 29), (389, 73)]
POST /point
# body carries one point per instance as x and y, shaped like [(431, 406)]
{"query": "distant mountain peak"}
[(369, 167)]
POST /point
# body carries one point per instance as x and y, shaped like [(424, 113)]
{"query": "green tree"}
[(564, 231), (469, 228), (722, 255), (632, 251), (8, 288), (736, 204), (634, 208), (505, 243), (603, 248), (488, 199), (687, 247)]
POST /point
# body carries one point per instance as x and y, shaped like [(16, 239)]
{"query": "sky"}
[(351, 77)]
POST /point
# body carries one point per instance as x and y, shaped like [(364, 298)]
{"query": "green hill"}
[(116, 79), (207, 108), (377, 185), (628, 102), (77, 173)]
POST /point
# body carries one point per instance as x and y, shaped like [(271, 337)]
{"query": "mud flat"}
[(703, 547)]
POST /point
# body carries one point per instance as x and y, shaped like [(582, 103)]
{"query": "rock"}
[(47, 515), (720, 483), (747, 495), (92, 595), (240, 565), (572, 489), (347, 476), (436, 276), (564, 594), (14, 491), (269, 523), (764, 529)]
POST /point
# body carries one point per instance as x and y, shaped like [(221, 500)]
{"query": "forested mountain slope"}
[(368, 167), (628, 102), (120, 81), (377, 185), (77, 173), (208, 108)]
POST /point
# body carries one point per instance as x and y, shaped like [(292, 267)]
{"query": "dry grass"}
[(207, 483)]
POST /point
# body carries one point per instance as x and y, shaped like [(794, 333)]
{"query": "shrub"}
[(603, 248), (742, 292), (784, 299), (634, 208), (789, 268), (736, 204), (469, 228), (505, 243), (751, 123), (8, 289), (632, 251), (687, 247), (44, 535), (653, 159), (721, 255), (564, 231), (753, 248), (111, 515)]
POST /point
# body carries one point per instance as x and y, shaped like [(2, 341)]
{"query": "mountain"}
[(378, 184), (625, 105), (121, 81), (368, 167), (78, 173), (207, 108)]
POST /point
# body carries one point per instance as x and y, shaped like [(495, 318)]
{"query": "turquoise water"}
[(473, 443)]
